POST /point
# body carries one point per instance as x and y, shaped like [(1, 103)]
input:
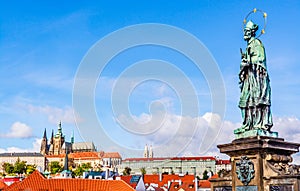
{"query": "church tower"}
[(52, 137), (51, 146), (146, 152), (58, 141), (44, 146), (150, 152)]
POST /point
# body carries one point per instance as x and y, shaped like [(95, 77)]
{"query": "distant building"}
[(111, 160), (57, 158), (97, 160), (195, 165), (58, 145), (223, 165), (93, 158), (83, 147), (148, 152), (177, 165), (30, 158)]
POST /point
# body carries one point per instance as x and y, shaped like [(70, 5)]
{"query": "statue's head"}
[(249, 30)]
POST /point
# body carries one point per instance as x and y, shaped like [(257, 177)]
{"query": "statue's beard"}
[(247, 37)]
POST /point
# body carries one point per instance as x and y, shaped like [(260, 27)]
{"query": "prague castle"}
[(58, 145)]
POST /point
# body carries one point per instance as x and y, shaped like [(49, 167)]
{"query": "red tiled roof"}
[(11, 186), (112, 155), (38, 182), (219, 162), (148, 179), (159, 189), (127, 180), (2, 185), (154, 179), (204, 184), (79, 155), (170, 158), (87, 155), (214, 176), (190, 186)]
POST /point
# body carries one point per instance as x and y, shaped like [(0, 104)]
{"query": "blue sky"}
[(43, 43)]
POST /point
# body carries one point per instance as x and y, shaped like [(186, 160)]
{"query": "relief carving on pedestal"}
[(245, 170), (280, 164), (281, 188)]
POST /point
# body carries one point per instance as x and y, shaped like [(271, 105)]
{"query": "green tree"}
[(30, 168), (8, 168), (126, 171), (143, 170), (78, 171), (83, 167), (86, 166), (205, 175), (19, 167), (55, 167)]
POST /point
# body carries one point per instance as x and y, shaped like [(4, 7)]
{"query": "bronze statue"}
[(255, 99)]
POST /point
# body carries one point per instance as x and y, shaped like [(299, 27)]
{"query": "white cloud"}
[(36, 145), (287, 127), (172, 134), (18, 130), (176, 135), (187, 136), (56, 114)]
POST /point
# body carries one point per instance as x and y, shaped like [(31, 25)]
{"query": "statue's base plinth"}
[(259, 144), (265, 159), (239, 133)]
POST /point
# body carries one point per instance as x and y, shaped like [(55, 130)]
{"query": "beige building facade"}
[(30, 158)]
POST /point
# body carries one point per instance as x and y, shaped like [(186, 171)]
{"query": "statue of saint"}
[(255, 99)]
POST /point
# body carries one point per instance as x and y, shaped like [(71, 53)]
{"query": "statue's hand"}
[(241, 77), (245, 62)]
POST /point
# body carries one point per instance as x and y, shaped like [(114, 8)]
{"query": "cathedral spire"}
[(59, 130), (45, 134), (66, 165), (59, 126), (52, 136), (44, 146)]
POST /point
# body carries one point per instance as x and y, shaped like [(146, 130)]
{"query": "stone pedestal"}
[(260, 163)]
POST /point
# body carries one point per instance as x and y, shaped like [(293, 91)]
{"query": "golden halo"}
[(264, 14)]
